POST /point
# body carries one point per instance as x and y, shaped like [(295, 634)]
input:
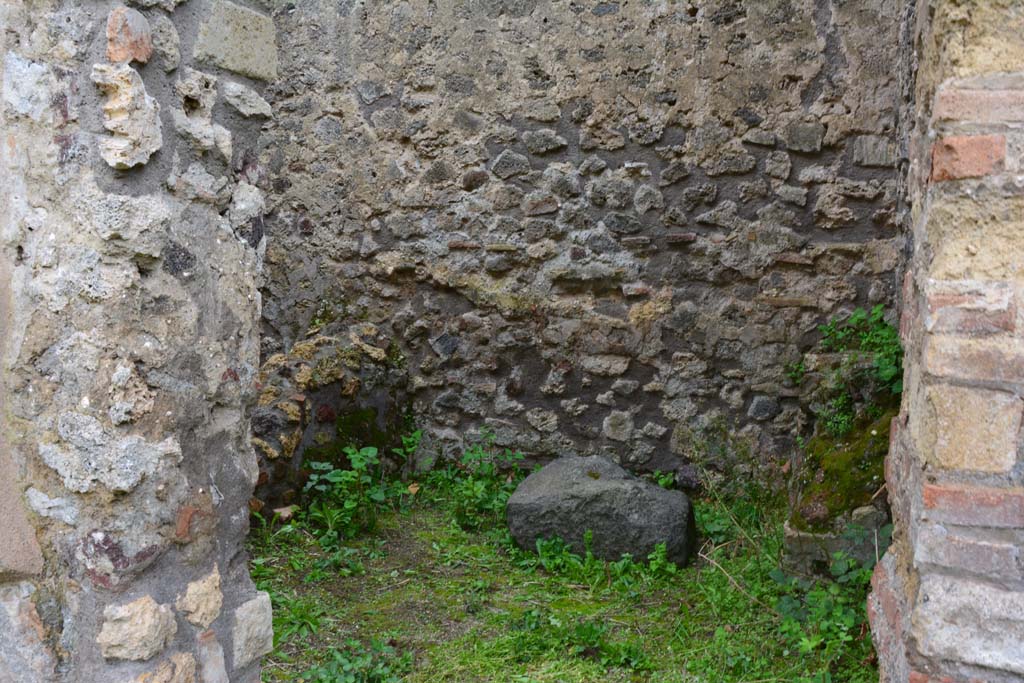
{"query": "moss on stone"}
[(839, 475)]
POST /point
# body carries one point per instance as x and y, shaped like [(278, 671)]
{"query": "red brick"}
[(908, 303), (887, 600), (885, 608), (980, 106), (974, 505), (967, 156)]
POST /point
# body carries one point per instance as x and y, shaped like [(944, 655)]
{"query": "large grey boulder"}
[(626, 514)]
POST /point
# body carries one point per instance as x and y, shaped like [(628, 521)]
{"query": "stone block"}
[(94, 455), (874, 151), (137, 630), (605, 365), (974, 623), (988, 359), (246, 100), (202, 600), (805, 137), (27, 87), (976, 237), (253, 631), (937, 545), (979, 506), (918, 677), (967, 156), (178, 668), (238, 39), (971, 429), (166, 43)]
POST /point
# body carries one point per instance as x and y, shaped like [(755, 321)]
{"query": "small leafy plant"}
[(870, 375), (478, 488), (824, 616), (539, 632), (377, 663), (347, 500), (868, 333)]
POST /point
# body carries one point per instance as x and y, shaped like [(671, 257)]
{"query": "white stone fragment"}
[(95, 456), (130, 114), (193, 119), (61, 509), (26, 89), (166, 42), (212, 668), (247, 203), (246, 100)]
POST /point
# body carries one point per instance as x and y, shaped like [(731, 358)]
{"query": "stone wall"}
[(129, 251), (586, 227), (948, 597)]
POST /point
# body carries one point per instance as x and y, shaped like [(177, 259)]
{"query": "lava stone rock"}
[(625, 514)]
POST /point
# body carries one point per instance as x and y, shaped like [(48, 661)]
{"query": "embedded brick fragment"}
[(970, 308), (238, 39), (979, 106), (967, 156), (129, 36), (972, 429), (137, 630), (974, 505)]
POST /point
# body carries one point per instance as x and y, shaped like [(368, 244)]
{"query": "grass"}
[(422, 598)]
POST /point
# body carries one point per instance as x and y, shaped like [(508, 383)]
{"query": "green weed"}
[(435, 591), (376, 663)]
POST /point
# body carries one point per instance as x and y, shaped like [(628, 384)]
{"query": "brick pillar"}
[(948, 599), (129, 318)]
